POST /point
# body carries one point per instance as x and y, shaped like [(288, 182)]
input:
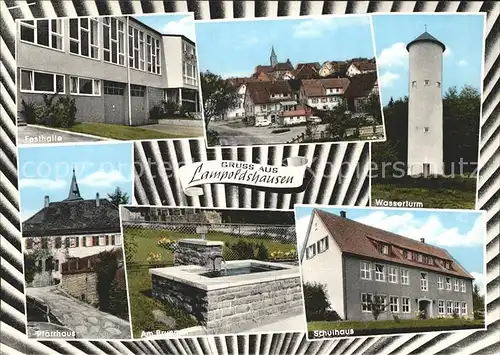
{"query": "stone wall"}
[(233, 309), (81, 285), (198, 254)]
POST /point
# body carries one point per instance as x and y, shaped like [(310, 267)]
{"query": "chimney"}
[(343, 214), (46, 201), (97, 201), (422, 240)]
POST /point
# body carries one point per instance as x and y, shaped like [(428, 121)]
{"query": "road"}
[(39, 135), (252, 135), (88, 322)]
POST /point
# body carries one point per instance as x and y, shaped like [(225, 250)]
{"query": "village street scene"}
[(269, 92)]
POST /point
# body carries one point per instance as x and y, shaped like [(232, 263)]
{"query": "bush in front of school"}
[(317, 303), (243, 250)]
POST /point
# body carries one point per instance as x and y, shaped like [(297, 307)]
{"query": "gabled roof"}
[(264, 68), (426, 37), (70, 217), (361, 85), (306, 71), (317, 87), (365, 65), (359, 239), (260, 91), (283, 66)]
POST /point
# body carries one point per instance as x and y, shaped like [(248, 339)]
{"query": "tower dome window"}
[(414, 84), (427, 82)]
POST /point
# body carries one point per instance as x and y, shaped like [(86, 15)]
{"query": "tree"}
[(31, 267), (118, 197), (106, 264), (377, 305), (219, 95), (340, 119), (316, 301), (372, 107), (477, 302)]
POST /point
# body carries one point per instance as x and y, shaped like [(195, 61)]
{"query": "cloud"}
[(388, 79), (462, 63), (394, 56), (42, 183), (318, 27), (301, 225), (103, 179), (479, 280), (432, 229), (184, 26)]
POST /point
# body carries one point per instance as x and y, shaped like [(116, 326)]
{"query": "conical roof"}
[(426, 37), (74, 190)]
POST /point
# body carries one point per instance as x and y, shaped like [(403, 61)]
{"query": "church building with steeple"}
[(275, 70), (72, 228)]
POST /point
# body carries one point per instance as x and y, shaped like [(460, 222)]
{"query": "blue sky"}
[(235, 48), (171, 24), (461, 233), (461, 34), (47, 170)]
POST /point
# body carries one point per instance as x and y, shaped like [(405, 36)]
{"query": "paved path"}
[(86, 321), (39, 135)]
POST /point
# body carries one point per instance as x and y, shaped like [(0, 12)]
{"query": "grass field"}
[(431, 198), (119, 132), (139, 280), (391, 324)]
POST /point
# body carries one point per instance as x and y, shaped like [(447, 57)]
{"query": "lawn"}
[(139, 279), (431, 198), (119, 132), (391, 324)]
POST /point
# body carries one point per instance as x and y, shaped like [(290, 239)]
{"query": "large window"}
[(455, 286), (464, 308), (423, 281), (85, 86), (84, 37), (47, 33), (441, 307), (114, 88), (440, 283), (113, 40), (366, 302), (449, 306), (448, 284), (311, 251), (33, 81), (393, 274), (405, 301), (144, 51), (189, 69), (456, 309), (322, 244), (462, 286), (379, 272), (366, 270), (394, 304), (137, 90), (405, 276)]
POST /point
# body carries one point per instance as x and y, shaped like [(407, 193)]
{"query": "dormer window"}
[(384, 249), (430, 261), (407, 254), (420, 258)]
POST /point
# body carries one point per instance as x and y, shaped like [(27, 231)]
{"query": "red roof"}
[(362, 85), (366, 65), (317, 87), (360, 239), (260, 91)]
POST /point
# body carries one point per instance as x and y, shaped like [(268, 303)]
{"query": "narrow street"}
[(86, 321)]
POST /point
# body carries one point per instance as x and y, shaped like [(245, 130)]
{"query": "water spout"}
[(214, 256)]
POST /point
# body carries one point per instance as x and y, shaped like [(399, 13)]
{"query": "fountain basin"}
[(244, 294)]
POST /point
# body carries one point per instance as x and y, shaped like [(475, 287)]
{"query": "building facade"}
[(425, 106), (268, 99), (323, 94), (357, 67), (116, 68), (362, 266), (72, 228)]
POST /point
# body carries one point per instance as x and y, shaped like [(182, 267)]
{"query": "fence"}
[(152, 244), (361, 132)]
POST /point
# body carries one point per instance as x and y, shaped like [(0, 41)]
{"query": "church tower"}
[(273, 58), (425, 106), (74, 190)]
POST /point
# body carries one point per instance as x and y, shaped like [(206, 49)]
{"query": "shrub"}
[(118, 303), (29, 111), (56, 111), (30, 268), (212, 137), (170, 108), (242, 250), (396, 318), (105, 266), (331, 316), (455, 315), (478, 314), (316, 301), (130, 248), (156, 113), (262, 252), (167, 243), (153, 258)]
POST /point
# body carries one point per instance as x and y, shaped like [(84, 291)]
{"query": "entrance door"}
[(115, 105), (424, 308), (427, 169)]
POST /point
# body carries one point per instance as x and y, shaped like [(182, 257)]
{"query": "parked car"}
[(315, 119), (263, 123), (42, 323)]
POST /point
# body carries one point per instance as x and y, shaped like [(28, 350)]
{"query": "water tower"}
[(425, 106)]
